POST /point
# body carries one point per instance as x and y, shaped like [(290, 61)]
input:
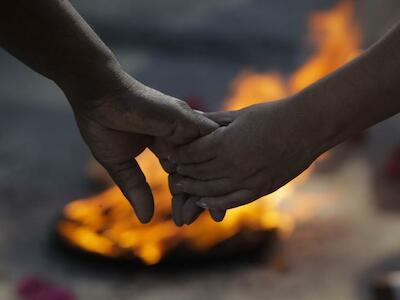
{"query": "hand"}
[(256, 151), (120, 124)]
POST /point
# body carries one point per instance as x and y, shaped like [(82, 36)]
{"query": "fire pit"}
[(104, 225), (244, 247)]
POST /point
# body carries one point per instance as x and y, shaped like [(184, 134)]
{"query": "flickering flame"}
[(105, 224)]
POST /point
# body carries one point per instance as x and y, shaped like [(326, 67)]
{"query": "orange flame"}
[(105, 224)]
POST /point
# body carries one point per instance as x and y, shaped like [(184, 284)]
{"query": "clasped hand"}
[(216, 161), (254, 152)]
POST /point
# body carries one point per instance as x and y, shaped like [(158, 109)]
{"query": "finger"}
[(204, 124), (168, 166), (191, 211), (223, 118), (217, 214), (189, 124), (235, 199), (202, 149), (203, 171), (203, 188), (173, 178), (177, 208), (162, 149), (199, 111), (132, 182)]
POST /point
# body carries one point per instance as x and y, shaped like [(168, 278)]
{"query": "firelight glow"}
[(105, 224)]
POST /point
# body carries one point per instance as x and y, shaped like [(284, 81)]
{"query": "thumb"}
[(132, 182), (190, 124)]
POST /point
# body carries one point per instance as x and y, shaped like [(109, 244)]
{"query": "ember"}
[(105, 224)]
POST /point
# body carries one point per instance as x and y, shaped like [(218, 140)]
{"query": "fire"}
[(105, 224), (336, 39)]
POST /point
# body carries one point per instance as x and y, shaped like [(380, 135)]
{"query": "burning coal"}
[(105, 224)]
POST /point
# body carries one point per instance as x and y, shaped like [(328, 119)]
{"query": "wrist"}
[(95, 82), (319, 132)]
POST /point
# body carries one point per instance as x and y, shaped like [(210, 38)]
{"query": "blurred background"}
[(341, 240)]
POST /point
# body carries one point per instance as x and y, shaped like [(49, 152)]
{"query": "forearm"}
[(53, 39), (362, 93)]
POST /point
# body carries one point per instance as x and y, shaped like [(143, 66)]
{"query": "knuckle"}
[(182, 105)]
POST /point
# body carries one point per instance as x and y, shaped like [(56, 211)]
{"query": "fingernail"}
[(202, 204), (177, 219), (178, 224), (217, 214)]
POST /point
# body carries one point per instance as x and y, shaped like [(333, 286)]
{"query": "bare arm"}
[(53, 39), (262, 147), (117, 116), (362, 93)]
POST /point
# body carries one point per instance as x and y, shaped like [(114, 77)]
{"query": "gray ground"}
[(190, 47)]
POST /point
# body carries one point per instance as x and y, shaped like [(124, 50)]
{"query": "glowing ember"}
[(105, 224)]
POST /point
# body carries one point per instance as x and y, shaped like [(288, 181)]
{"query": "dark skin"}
[(255, 151), (261, 148), (117, 115)]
